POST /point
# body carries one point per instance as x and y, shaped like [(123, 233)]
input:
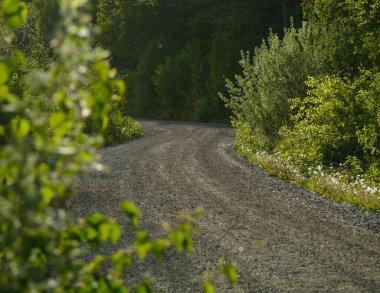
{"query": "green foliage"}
[(208, 287), (45, 19), (21, 50), (132, 211), (354, 31), (183, 86), (176, 54), (43, 153), (142, 96), (230, 270), (15, 13), (279, 70), (120, 128), (338, 119), (307, 108), (173, 84), (4, 73), (340, 184), (30, 39), (41, 157)]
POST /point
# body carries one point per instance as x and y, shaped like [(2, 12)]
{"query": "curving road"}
[(283, 237)]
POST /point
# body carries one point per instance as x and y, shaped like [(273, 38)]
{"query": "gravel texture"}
[(283, 237)]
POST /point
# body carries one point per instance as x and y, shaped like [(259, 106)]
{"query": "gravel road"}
[(283, 237)]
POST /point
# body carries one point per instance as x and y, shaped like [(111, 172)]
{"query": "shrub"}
[(43, 153), (42, 248), (310, 102), (337, 122), (278, 73), (121, 128)]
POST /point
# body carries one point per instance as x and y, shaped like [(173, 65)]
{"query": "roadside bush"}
[(44, 153), (121, 128), (338, 120), (260, 96), (307, 108), (42, 156)]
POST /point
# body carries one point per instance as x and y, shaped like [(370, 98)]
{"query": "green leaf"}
[(104, 231), (120, 260), (85, 156), (120, 85), (142, 244), (232, 275), (94, 220), (142, 250), (135, 222), (185, 227), (20, 128), (208, 287), (102, 90), (4, 73), (91, 235), (96, 264), (230, 272), (143, 288), (119, 289), (104, 122), (15, 13), (4, 93), (59, 124), (142, 237), (20, 57), (47, 194), (115, 233), (56, 119), (129, 208), (109, 230), (159, 246), (132, 211), (177, 237)]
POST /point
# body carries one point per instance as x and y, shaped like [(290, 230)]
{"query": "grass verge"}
[(333, 183)]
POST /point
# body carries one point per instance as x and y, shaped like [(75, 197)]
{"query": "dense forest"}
[(304, 100), (176, 54), (173, 55)]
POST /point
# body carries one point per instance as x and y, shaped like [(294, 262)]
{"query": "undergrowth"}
[(336, 183)]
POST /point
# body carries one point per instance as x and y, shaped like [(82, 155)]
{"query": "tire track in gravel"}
[(308, 243)]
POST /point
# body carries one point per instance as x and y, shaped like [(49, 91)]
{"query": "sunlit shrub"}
[(42, 156), (260, 96), (337, 121), (121, 128)]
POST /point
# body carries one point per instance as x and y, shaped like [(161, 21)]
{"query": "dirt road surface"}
[(283, 237)]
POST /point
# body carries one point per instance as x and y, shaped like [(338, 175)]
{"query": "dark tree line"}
[(175, 55)]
